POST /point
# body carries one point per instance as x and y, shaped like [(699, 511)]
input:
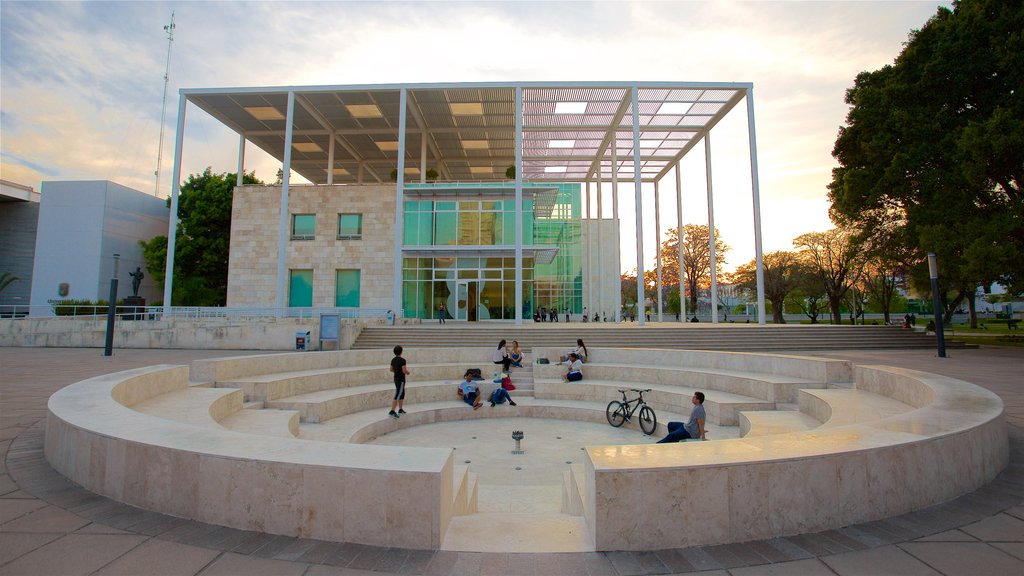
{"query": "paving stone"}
[(417, 561), (16, 508), (17, 544), (493, 564), (367, 558), (524, 564), (160, 557), (876, 562), (809, 567), (700, 559), (46, 519), (72, 555), (94, 528), (674, 560), (442, 563), (624, 563), (598, 564), (998, 528), (965, 558), (1015, 549), (948, 536), (231, 564), (319, 552)]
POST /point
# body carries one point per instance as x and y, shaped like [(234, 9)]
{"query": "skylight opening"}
[(387, 145), (307, 147), (555, 169), (561, 143), (570, 107), (467, 108), (674, 108), (481, 170), (364, 110), (264, 113), (475, 145), (341, 172)]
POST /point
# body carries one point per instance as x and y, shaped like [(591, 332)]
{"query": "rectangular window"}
[(303, 226), (346, 289), (300, 288), (350, 226)]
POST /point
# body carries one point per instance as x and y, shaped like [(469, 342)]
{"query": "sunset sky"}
[(81, 83)]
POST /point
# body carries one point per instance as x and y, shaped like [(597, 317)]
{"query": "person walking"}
[(400, 369)]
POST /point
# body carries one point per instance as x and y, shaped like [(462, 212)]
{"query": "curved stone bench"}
[(951, 442), (773, 378)]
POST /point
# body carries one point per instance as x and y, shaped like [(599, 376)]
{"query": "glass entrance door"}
[(467, 300)]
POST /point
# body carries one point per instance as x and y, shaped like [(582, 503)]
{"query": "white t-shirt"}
[(498, 355), (575, 365)]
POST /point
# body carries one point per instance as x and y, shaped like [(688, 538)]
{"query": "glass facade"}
[(303, 226), (481, 284), (300, 288), (346, 288), (350, 226)]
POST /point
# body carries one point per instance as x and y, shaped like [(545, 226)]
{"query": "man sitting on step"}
[(694, 428)]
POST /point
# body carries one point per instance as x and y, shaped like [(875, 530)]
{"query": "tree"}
[(834, 257), (202, 242), (780, 278), (933, 148), (809, 293), (6, 279), (696, 259)]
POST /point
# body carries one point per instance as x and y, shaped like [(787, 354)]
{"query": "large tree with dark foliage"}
[(202, 242), (933, 149)]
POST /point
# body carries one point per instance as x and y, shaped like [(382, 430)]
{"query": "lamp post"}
[(933, 273), (108, 348)]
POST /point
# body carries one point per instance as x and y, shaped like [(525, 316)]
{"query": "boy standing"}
[(400, 369)]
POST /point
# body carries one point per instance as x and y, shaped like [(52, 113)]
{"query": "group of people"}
[(469, 389)]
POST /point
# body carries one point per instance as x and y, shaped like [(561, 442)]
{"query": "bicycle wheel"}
[(648, 421), (616, 413)]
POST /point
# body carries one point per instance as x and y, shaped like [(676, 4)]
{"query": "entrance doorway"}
[(467, 300)]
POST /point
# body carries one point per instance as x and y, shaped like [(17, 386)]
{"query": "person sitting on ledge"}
[(516, 355), (694, 428), (470, 392), (575, 373), (500, 356), (500, 395)]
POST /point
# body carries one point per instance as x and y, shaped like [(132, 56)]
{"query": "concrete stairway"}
[(731, 337)]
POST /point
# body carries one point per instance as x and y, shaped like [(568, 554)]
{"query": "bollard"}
[(517, 435)]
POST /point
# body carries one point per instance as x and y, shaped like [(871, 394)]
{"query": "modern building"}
[(492, 215), (81, 226), (19, 218)]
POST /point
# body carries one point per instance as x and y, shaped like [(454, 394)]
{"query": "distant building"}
[(19, 217), (81, 225)]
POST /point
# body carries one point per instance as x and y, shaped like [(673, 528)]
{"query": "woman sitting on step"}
[(516, 355)]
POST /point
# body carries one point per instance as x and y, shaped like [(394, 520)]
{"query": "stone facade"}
[(255, 232)]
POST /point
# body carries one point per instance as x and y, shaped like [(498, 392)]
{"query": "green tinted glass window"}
[(300, 288), (346, 288), (303, 226), (350, 226), (445, 228)]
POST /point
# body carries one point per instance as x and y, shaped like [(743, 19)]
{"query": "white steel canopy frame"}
[(576, 132)]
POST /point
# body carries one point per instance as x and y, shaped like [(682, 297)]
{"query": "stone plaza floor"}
[(49, 526)]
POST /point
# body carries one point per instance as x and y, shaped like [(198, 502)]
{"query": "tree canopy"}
[(781, 276), (696, 259), (202, 242), (932, 152)]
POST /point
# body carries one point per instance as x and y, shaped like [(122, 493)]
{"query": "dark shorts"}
[(400, 390), (469, 398)]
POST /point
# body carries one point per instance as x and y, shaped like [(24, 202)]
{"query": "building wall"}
[(82, 224), (255, 230), (18, 224)]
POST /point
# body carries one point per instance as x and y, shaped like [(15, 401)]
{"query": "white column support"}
[(618, 236), (588, 232), (519, 207), (600, 261), (172, 220), (330, 160), (241, 160), (756, 193), (282, 240), (396, 301), (359, 172), (679, 235), (640, 296), (657, 244), (423, 157), (711, 230)]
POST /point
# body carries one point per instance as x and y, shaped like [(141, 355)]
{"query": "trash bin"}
[(301, 339)]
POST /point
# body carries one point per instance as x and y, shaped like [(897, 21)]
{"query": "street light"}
[(933, 273), (108, 348)]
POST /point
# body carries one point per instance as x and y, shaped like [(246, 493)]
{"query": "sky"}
[(81, 84)]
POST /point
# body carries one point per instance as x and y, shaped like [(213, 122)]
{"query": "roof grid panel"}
[(603, 107), (684, 95), (718, 95), (462, 95), (320, 99), (653, 95), (535, 108), (691, 120), (507, 95), (532, 95), (706, 108)]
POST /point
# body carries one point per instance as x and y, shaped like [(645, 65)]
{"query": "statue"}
[(137, 277)]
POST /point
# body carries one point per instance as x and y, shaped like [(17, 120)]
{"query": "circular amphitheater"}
[(301, 445)]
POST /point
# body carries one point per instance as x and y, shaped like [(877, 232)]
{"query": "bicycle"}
[(618, 412)]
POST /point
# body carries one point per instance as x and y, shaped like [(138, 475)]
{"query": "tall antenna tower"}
[(169, 29)]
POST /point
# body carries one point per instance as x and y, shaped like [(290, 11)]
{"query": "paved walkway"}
[(51, 527)]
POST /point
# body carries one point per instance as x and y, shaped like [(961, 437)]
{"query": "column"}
[(172, 221), (711, 229), (640, 296), (679, 230), (241, 160), (600, 261), (282, 239), (330, 160), (519, 207), (657, 245), (396, 301), (755, 190), (615, 226)]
